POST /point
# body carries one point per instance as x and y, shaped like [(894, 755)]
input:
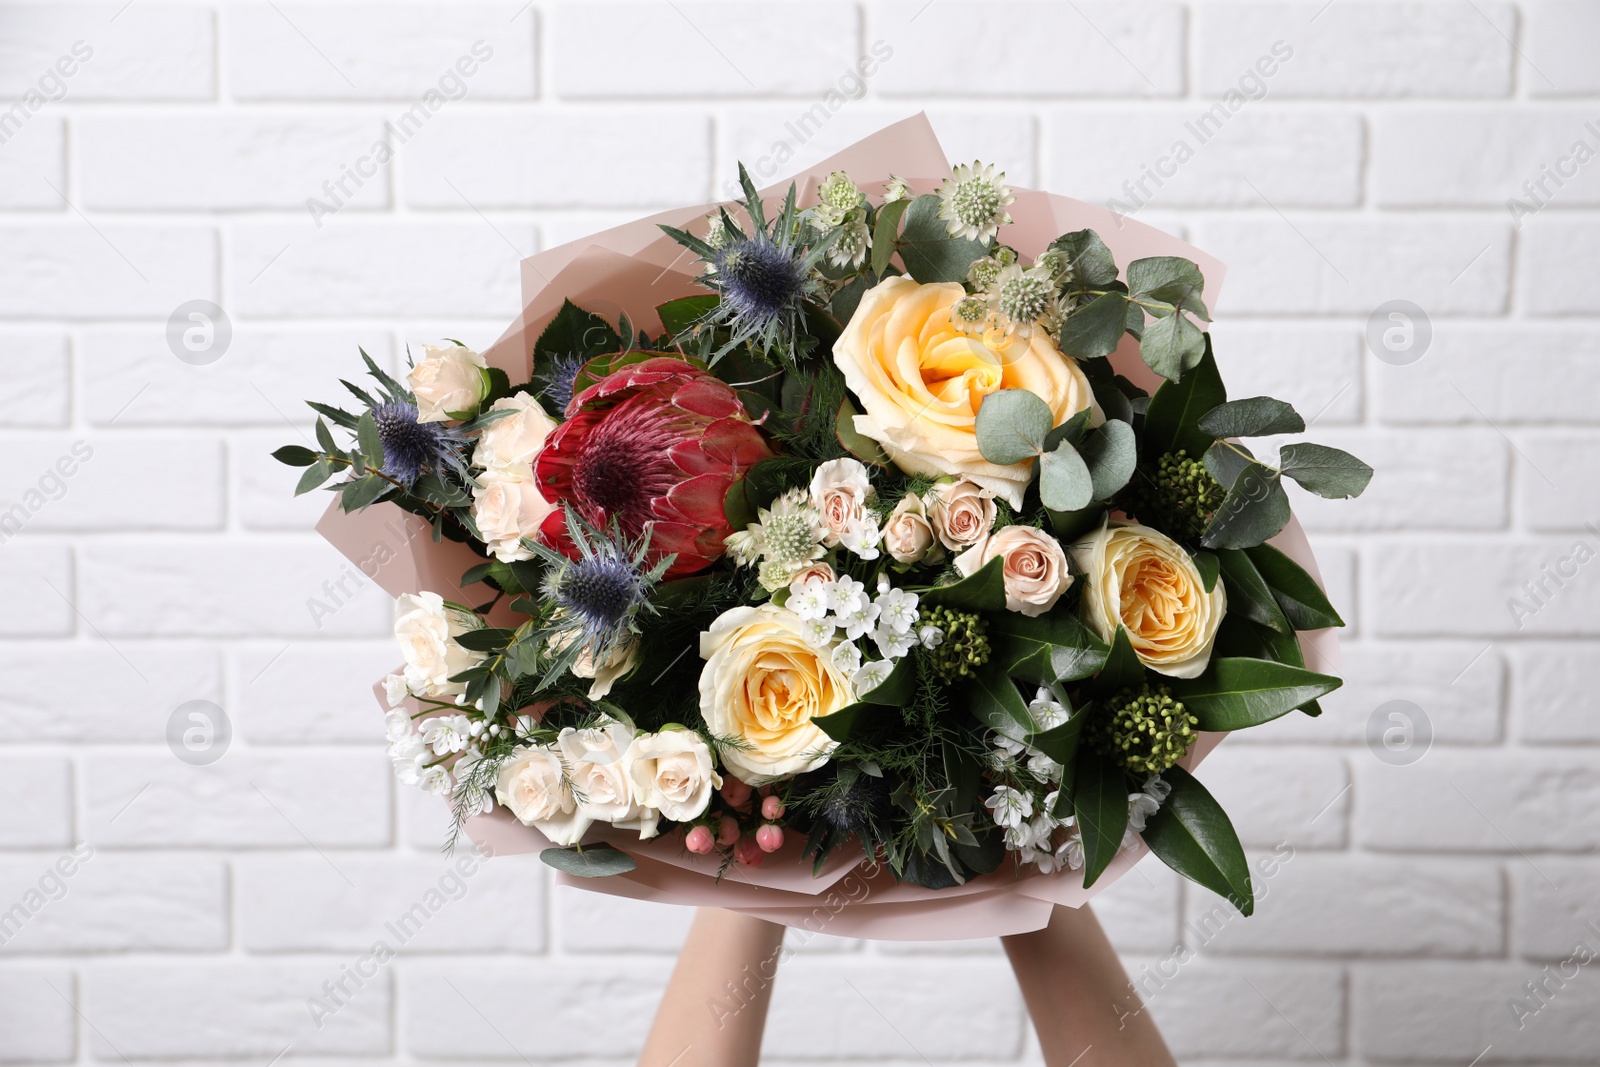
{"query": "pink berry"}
[(699, 840), (772, 808), (727, 830), (748, 852), (769, 837), (735, 792)]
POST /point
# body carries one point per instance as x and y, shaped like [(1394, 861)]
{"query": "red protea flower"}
[(655, 444)]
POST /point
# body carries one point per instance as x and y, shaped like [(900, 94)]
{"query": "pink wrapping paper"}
[(633, 268)]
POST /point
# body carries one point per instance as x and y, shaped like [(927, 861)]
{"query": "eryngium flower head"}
[(558, 377), (759, 279), (653, 447), (600, 591), (411, 448)]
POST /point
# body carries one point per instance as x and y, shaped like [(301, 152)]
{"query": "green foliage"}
[(1192, 835), (589, 861), (1100, 803), (926, 248), (1144, 730), (1236, 693)]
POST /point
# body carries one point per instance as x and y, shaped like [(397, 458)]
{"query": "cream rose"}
[(507, 509), (763, 683), (921, 381), (511, 442), (533, 785), (1033, 565), (604, 675), (425, 626), (962, 514), (818, 570), (1143, 580), (449, 383), (600, 779), (840, 491), (907, 533), (671, 773)]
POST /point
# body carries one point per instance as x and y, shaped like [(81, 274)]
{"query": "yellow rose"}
[(1143, 580), (762, 685), (921, 381)]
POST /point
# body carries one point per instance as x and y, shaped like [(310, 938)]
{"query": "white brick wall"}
[(174, 163)]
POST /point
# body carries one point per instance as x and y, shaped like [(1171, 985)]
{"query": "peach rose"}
[(1034, 567), (962, 514), (921, 381)]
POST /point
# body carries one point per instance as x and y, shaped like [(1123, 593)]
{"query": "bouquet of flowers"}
[(902, 538)]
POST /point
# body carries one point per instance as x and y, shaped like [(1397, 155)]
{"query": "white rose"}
[(1034, 567), (511, 442), (961, 513), (426, 627), (621, 660), (394, 687), (764, 682), (671, 772), (449, 383), (1144, 581), (840, 490), (599, 775), (908, 535), (507, 509), (533, 785)]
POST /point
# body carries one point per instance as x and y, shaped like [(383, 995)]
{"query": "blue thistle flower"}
[(559, 379), (411, 448), (760, 279), (600, 591)]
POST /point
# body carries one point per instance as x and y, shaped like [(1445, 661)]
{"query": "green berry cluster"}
[(1147, 732), (1179, 497), (965, 647)]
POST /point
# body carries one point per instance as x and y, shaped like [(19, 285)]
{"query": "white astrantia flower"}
[(837, 198), (898, 610), (892, 643), (1009, 806), (846, 595), (849, 249), (896, 188), (397, 726), (870, 675), (846, 657), (859, 622), (446, 734), (1021, 298), (810, 601), (395, 689), (973, 202), (818, 633)]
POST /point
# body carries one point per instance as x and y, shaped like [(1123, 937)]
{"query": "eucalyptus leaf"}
[(1255, 509), (1064, 480), (1327, 472), (885, 233), (1072, 430), (325, 437), (1093, 266), (1235, 693), (486, 639), (1110, 452), (1255, 416), (1011, 426), (1226, 460), (1192, 835), (1169, 280), (1093, 330), (1172, 345), (589, 861), (926, 248), (361, 492), (319, 472)]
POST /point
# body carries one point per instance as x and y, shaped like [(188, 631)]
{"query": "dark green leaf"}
[(1236, 693), (927, 249), (1255, 509), (1168, 280), (371, 444), (885, 234), (1122, 669), (983, 591), (1111, 452), (1208, 565), (1172, 345), (896, 690), (361, 492), (1171, 423), (1064, 480), (1192, 835), (858, 720), (1303, 602), (589, 861), (1054, 647), (1011, 426), (857, 444), (487, 639), (680, 316), (846, 300), (1070, 525), (737, 508), (1248, 593), (1100, 801), (1327, 472), (1226, 460), (325, 438), (314, 476), (1060, 743), (1093, 330), (1255, 416), (994, 701), (295, 456)]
